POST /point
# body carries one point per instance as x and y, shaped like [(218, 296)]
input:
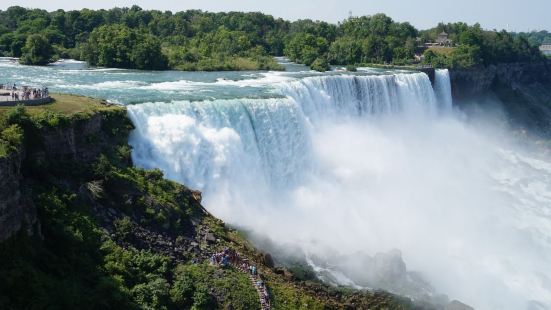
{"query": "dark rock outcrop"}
[(15, 211), (82, 140), (79, 141), (523, 90)]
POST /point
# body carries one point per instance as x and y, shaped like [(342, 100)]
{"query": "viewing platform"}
[(25, 95)]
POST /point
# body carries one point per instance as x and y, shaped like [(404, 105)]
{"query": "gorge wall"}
[(14, 210), (77, 140), (522, 89)]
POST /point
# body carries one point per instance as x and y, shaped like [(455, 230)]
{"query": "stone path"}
[(229, 257)]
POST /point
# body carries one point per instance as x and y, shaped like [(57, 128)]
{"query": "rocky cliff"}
[(73, 140), (523, 90), (15, 211)]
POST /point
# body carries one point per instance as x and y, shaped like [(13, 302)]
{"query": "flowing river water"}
[(374, 178)]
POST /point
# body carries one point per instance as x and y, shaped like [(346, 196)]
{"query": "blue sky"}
[(514, 15)]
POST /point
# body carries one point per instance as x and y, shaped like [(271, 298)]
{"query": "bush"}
[(37, 51), (119, 46), (13, 135), (320, 64), (10, 140), (18, 115)]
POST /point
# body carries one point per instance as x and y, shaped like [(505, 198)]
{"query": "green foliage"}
[(123, 227), (196, 40), (320, 64), (466, 56), (536, 38), (11, 139), (305, 48), (157, 202), (13, 135), (50, 119), (37, 51), (141, 273), (18, 115), (62, 271), (345, 50), (194, 285), (479, 47), (122, 47)]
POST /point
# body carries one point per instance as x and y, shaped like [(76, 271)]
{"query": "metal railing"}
[(22, 94)]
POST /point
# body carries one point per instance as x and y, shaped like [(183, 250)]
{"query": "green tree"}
[(320, 64), (466, 56), (37, 51), (121, 47)]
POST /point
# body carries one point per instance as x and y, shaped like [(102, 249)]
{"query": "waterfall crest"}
[(198, 143)]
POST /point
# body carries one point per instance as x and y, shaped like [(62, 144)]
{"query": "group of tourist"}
[(229, 257), (25, 92)]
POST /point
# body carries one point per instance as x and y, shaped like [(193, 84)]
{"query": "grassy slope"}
[(67, 105), (63, 105)]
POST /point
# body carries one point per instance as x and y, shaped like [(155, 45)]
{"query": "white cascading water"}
[(346, 169), (443, 88)]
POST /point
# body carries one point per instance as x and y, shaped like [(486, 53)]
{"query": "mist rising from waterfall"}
[(346, 167)]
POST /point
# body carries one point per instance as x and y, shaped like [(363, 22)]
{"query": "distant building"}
[(545, 48), (443, 39)]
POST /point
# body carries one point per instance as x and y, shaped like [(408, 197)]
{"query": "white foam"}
[(121, 85)]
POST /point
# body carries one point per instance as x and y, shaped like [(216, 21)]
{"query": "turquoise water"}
[(133, 86)]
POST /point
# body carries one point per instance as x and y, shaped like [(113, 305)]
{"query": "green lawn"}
[(68, 105)]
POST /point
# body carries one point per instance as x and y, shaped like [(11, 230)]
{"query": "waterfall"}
[(339, 168), (264, 140), (200, 143), (356, 96), (443, 88)]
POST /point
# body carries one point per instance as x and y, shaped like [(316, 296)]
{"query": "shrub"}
[(320, 64), (13, 135), (37, 51)]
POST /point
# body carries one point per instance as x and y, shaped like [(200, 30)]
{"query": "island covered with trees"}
[(195, 40)]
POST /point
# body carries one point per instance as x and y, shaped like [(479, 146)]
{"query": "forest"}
[(195, 40)]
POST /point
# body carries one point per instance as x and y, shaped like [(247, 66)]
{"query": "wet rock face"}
[(268, 260), (521, 90), (468, 83)]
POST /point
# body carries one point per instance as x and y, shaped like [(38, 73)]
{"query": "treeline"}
[(135, 38), (196, 40), (536, 37), (475, 46)]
